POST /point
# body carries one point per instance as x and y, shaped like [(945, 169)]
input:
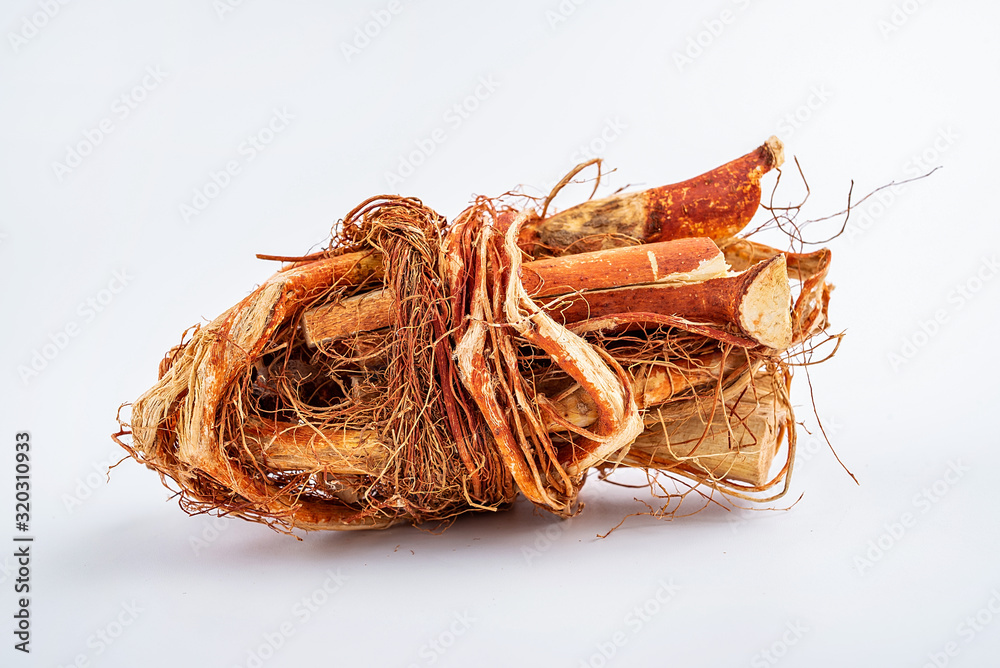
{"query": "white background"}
[(874, 574)]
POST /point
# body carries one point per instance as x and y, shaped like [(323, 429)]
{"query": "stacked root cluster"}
[(418, 368)]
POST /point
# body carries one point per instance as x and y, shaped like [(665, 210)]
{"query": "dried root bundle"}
[(416, 369)]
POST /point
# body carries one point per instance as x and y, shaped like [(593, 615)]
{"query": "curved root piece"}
[(717, 204)]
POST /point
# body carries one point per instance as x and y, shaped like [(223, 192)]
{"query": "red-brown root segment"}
[(676, 261), (716, 204), (756, 303)]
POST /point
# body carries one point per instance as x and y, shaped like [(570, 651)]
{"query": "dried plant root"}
[(417, 370)]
